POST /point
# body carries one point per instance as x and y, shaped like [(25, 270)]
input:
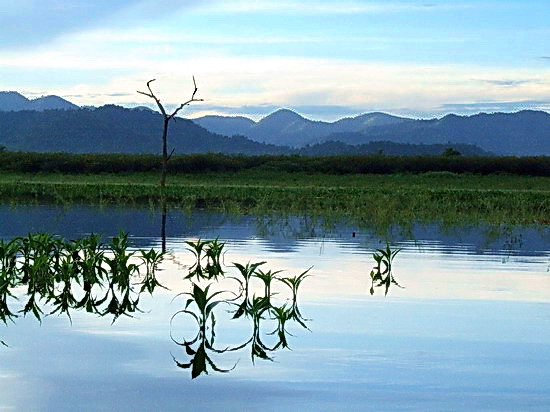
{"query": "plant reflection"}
[(83, 274), (259, 310), (381, 274)]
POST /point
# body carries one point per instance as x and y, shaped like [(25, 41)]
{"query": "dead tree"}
[(166, 121)]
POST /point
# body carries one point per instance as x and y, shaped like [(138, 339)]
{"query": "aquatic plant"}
[(382, 272), (212, 251), (267, 278), (294, 283), (151, 260), (201, 303), (51, 268), (246, 272), (282, 314), (204, 302)]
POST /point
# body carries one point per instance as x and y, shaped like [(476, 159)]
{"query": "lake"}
[(469, 330)]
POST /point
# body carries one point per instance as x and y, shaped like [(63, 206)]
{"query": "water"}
[(470, 330)]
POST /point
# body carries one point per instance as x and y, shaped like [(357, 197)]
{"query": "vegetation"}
[(61, 276), (201, 302), (366, 199), (382, 274), (67, 275), (352, 164)]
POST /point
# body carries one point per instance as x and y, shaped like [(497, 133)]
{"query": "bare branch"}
[(170, 155), (146, 94), (155, 98), (188, 102), (149, 85)]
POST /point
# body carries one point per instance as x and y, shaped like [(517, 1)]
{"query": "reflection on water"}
[(201, 303), (382, 272), (69, 275), (470, 331)]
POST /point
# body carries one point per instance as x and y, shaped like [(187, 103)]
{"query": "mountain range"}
[(523, 133), (285, 127), (54, 124)]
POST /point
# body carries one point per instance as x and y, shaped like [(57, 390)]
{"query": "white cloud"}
[(322, 7), (235, 81)]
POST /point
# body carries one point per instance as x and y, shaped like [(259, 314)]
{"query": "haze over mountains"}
[(54, 124)]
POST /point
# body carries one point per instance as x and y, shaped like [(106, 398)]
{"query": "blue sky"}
[(323, 58)]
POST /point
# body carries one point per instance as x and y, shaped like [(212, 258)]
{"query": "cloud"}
[(494, 106), (34, 22), (544, 57), (324, 7), (509, 83)]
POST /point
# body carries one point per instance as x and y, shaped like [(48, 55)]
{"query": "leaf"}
[(199, 363)]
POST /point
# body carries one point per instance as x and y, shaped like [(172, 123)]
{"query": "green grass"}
[(439, 196)]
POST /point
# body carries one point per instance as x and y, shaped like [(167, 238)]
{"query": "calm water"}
[(470, 330)]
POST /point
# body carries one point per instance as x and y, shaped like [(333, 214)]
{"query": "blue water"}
[(470, 330)]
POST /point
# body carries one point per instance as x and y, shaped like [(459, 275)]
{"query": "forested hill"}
[(523, 133), (114, 129)]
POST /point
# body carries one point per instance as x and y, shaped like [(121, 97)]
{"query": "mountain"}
[(365, 121), (522, 133), (138, 108), (50, 103), (281, 127), (285, 127), (51, 123), (13, 101), (225, 125), (114, 129)]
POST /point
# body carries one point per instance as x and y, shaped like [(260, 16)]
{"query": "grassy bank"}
[(378, 198)]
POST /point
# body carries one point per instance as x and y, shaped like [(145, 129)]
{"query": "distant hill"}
[(285, 127), (13, 101), (66, 127), (523, 133), (226, 125), (114, 129)]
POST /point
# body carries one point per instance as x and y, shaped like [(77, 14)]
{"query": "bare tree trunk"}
[(164, 153)]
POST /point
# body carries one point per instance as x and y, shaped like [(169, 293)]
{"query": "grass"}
[(435, 196)]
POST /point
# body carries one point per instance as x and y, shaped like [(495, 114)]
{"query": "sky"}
[(325, 59)]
